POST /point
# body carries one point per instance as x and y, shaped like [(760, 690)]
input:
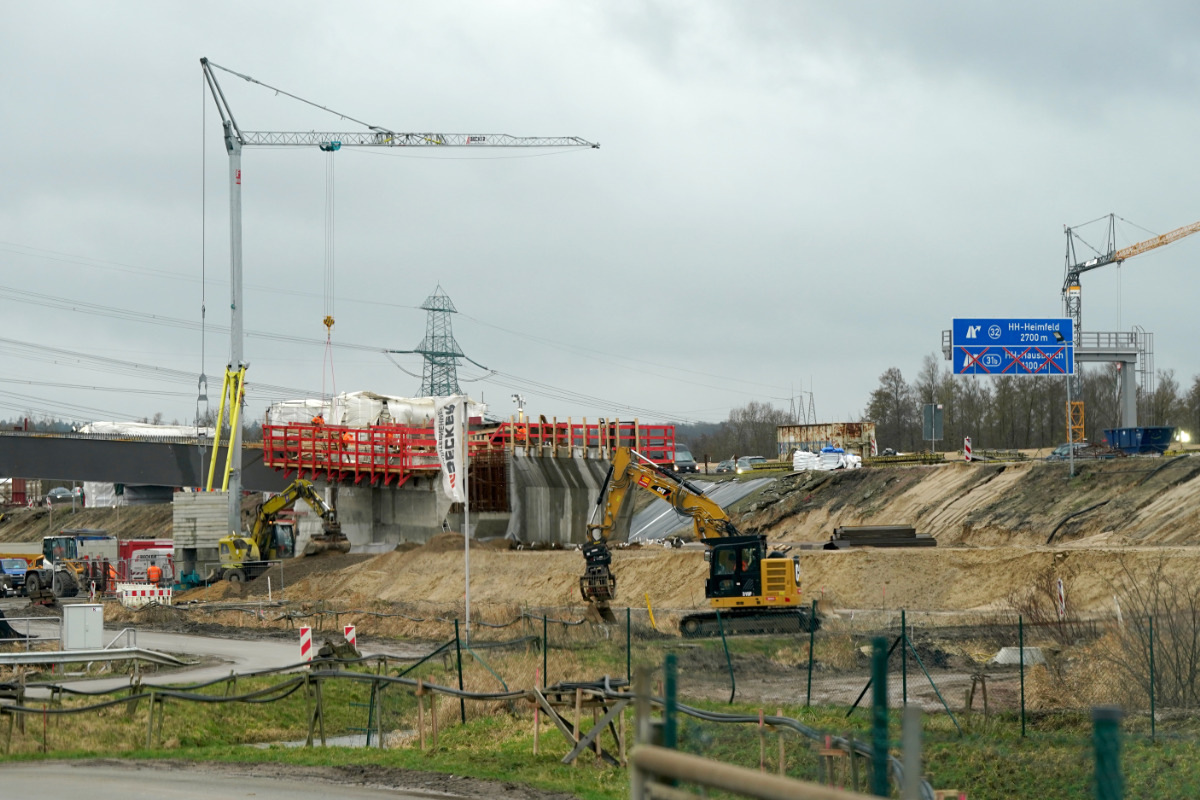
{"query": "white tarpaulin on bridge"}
[(362, 410)]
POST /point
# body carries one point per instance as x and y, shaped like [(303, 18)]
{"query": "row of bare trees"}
[(1016, 411)]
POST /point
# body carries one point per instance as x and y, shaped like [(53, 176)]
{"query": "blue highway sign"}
[(1013, 347)]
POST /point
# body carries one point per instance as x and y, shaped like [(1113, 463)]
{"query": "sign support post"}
[(466, 435)]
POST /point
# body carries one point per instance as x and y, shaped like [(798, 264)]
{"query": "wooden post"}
[(321, 712), (595, 722), (433, 716), (308, 712), (621, 738), (762, 743), (578, 714), (150, 721), (379, 715), (853, 756), (421, 711), (782, 757), (537, 711)]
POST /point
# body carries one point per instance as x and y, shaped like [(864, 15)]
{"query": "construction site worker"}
[(154, 574), (318, 420)]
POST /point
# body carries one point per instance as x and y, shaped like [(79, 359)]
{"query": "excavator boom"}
[(754, 592), (245, 557)]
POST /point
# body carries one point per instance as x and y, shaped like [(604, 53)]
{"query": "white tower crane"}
[(235, 140)]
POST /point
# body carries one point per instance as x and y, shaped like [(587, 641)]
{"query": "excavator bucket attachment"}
[(324, 545), (598, 585)]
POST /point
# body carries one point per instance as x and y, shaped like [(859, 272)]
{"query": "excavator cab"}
[(734, 567)]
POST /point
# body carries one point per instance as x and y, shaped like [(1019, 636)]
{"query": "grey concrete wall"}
[(551, 501), (381, 516), (552, 498)]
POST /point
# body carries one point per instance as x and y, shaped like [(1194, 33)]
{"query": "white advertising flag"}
[(448, 428)]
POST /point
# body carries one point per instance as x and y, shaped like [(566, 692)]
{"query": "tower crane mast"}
[(235, 140)]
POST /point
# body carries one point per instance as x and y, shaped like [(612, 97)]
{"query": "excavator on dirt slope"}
[(244, 558), (755, 592)]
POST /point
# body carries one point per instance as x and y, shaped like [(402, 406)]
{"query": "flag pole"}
[(466, 436)]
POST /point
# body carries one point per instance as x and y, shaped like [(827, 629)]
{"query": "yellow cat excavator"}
[(244, 558), (755, 591)]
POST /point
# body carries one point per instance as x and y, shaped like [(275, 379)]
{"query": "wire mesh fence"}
[(964, 671), (968, 679)]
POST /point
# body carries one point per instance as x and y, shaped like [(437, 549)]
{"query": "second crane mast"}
[(1072, 294), (235, 140)]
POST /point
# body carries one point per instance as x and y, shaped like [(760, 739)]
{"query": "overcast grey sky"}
[(789, 196)]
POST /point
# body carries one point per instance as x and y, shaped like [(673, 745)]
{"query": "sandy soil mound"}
[(1125, 501)]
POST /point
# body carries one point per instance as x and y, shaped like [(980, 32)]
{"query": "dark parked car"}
[(1063, 451), (59, 494), (12, 576), (683, 459)]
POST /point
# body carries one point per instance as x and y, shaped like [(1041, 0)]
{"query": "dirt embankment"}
[(1130, 501), (992, 523), (124, 522)]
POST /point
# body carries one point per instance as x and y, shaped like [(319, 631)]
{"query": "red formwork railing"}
[(392, 454), (655, 442)]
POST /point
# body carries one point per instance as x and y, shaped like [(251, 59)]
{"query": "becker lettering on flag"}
[(448, 429)]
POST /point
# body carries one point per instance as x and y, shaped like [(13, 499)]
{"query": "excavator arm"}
[(630, 471), (262, 532)]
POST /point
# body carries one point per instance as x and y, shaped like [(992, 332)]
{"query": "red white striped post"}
[(351, 637), (967, 449), (305, 643)]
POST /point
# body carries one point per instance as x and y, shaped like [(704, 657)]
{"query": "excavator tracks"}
[(743, 622)]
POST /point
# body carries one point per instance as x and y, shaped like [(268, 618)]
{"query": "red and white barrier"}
[(305, 643), (351, 636), (967, 448), (135, 595)]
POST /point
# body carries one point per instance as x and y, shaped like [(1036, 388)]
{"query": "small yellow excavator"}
[(756, 592), (245, 557)]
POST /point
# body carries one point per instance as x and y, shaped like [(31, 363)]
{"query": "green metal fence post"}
[(628, 645), (1021, 660), (812, 633), (462, 703), (1106, 737), (545, 648), (1152, 731), (879, 718), (904, 659), (670, 721)]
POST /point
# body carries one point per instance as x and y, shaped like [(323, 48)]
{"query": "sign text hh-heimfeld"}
[(996, 346)]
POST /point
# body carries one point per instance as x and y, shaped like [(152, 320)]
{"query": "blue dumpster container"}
[(1149, 439)]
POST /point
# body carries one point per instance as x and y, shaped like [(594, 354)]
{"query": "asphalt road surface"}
[(148, 782)]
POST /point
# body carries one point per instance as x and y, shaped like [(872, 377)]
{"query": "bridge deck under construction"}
[(390, 455)]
